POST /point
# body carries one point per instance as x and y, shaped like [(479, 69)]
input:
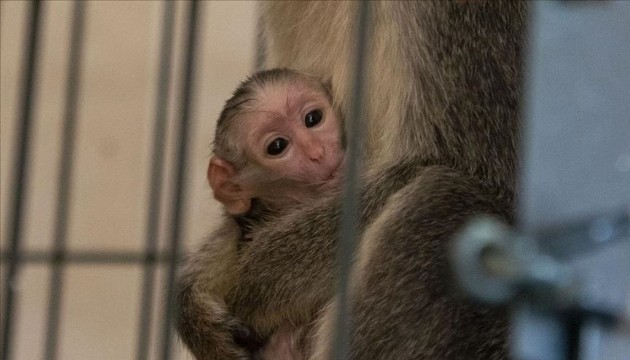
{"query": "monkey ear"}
[(233, 196)]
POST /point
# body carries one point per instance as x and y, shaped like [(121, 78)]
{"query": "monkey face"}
[(294, 135)]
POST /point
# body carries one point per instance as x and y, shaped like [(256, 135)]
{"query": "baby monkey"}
[(278, 143)]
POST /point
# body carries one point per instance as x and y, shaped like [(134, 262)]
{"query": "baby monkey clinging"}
[(278, 143)]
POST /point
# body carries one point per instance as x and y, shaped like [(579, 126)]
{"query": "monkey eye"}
[(313, 118), (277, 146)]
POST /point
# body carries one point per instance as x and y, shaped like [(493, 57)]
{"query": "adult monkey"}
[(443, 108)]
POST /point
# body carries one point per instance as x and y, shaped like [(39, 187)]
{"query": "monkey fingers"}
[(245, 337)]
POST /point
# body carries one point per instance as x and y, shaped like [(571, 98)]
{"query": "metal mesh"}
[(15, 256)]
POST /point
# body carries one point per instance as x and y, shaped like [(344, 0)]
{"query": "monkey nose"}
[(316, 152)]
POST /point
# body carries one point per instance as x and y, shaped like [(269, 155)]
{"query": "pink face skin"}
[(294, 134)]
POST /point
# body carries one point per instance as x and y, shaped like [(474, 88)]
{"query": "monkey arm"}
[(405, 307), (203, 321), (286, 274), (286, 271)]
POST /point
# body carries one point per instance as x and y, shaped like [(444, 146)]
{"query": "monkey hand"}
[(204, 322), (245, 337), (210, 332)]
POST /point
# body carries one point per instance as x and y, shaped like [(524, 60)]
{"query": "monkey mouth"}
[(337, 171), (329, 181)]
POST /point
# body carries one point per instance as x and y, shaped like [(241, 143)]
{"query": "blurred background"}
[(110, 182)]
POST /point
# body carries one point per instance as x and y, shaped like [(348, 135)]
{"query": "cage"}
[(105, 102)]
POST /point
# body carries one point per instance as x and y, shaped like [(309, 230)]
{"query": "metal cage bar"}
[(22, 152), (180, 170), (90, 257), (157, 164), (65, 176), (350, 206)]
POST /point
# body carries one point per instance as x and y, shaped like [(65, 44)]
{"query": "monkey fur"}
[(441, 145)]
